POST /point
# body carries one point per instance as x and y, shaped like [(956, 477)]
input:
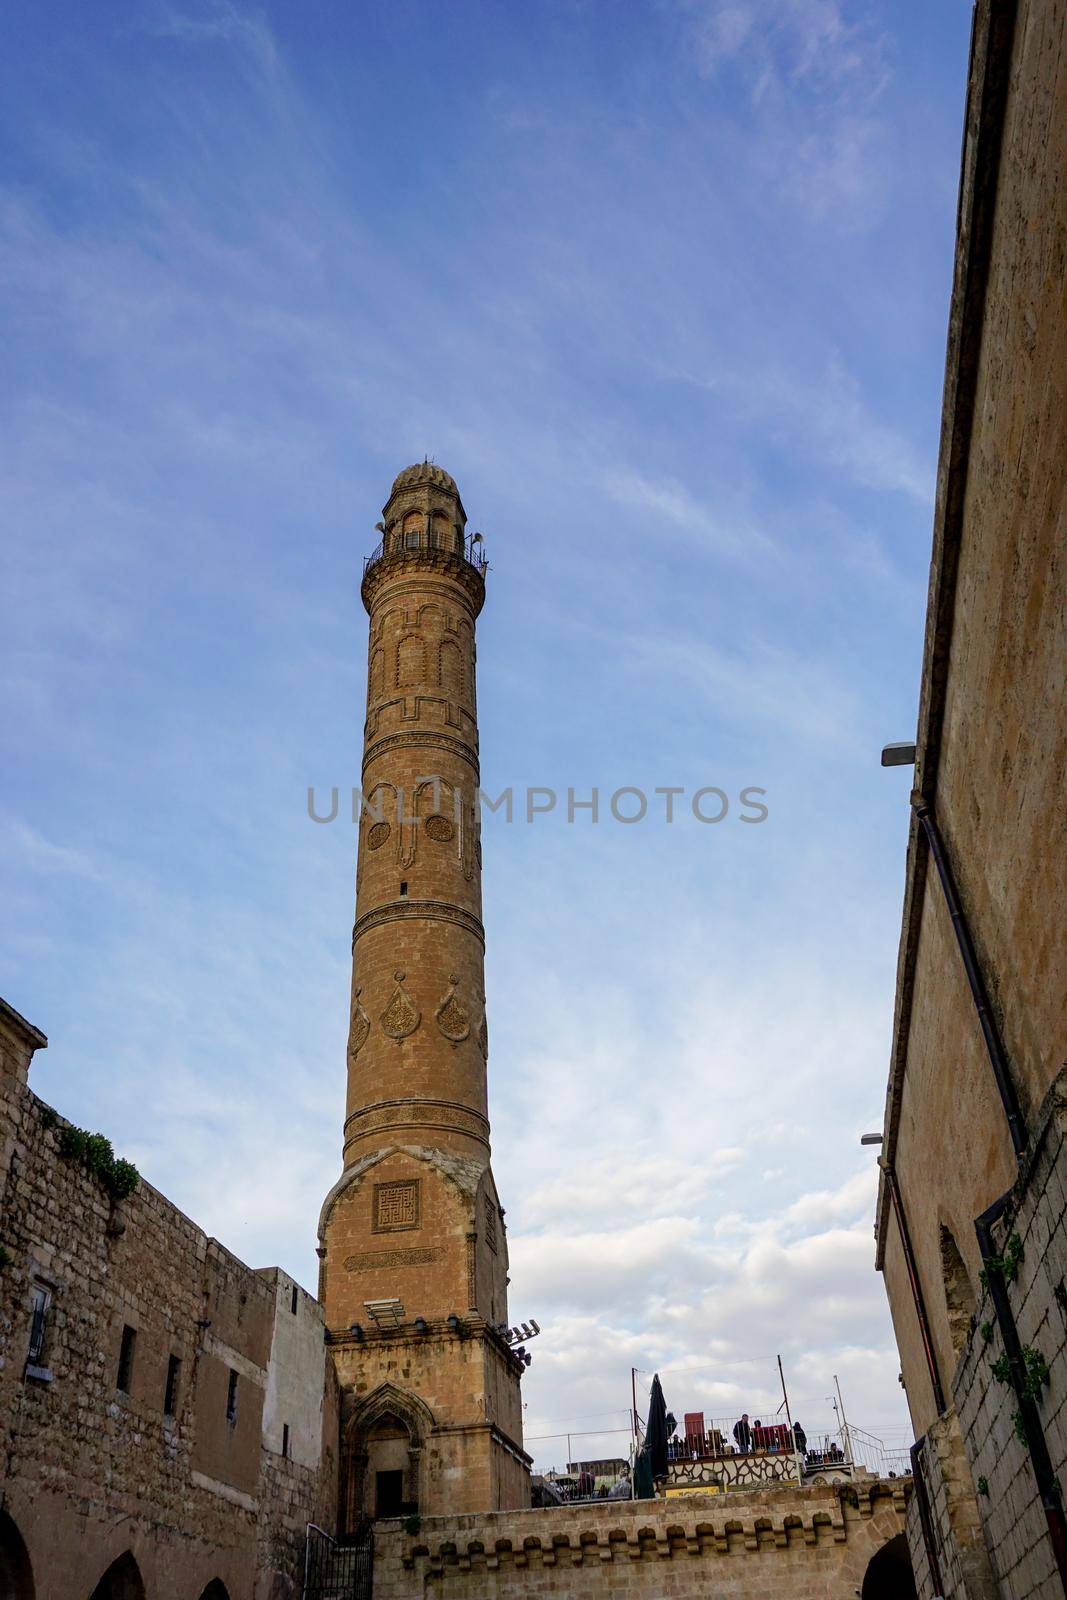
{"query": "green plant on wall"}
[(93, 1150), (1035, 1373), (1005, 1266)]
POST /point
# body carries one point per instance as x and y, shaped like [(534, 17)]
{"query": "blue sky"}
[(665, 287)]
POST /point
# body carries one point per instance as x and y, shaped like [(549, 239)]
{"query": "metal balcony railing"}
[(396, 543)]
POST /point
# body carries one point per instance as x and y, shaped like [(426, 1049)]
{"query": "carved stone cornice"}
[(418, 910), (389, 742), (416, 566), (395, 1116)]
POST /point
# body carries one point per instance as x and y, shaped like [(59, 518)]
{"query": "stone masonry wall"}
[(89, 1470), (809, 1544), (963, 1561), (1011, 1512)]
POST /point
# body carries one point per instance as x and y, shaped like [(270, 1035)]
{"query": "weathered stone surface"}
[(809, 1544), (89, 1471), (416, 1214), (991, 764)]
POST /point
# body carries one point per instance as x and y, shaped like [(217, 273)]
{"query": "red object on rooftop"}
[(771, 1437)]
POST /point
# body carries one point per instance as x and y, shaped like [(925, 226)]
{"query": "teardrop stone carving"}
[(452, 1020), (400, 1017), (359, 1028), (483, 1037)]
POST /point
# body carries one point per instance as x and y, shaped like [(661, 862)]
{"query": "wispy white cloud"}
[(217, 21)]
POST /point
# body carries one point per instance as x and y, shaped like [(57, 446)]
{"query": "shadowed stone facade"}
[(974, 1113)]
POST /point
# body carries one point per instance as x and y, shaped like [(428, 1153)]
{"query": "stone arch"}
[(437, 804), (121, 1581), (412, 523), (383, 1455), (216, 1590), (959, 1295), (450, 673), (16, 1573), (410, 661), (889, 1575), (376, 675), (378, 819)]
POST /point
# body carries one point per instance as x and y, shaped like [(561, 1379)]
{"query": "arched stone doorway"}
[(121, 1581), (216, 1590), (16, 1575), (383, 1456), (889, 1575)]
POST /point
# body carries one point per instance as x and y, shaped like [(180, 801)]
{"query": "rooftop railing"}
[(710, 1439), (472, 551)]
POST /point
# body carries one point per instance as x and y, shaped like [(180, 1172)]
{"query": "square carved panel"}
[(396, 1206)]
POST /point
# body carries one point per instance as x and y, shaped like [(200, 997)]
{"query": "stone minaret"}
[(431, 1415)]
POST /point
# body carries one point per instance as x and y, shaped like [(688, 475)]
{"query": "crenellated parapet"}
[(806, 1541)]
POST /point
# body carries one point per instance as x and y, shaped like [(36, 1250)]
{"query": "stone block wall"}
[(1011, 1513), (812, 1544), (92, 1462), (963, 1565)]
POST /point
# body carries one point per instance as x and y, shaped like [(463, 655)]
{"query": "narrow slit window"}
[(170, 1394), (293, 1303), (285, 1440), (231, 1398), (404, 888), (38, 1324), (125, 1372)]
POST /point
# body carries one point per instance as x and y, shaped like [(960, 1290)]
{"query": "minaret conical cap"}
[(424, 472)]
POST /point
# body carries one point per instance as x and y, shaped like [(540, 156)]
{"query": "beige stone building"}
[(168, 1416), (970, 1223), (431, 1414)]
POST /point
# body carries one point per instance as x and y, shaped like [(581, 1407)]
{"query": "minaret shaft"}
[(416, 1134)]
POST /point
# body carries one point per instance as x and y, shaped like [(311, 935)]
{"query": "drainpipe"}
[(994, 1048), (916, 1285), (926, 1520), (1036, 1444)]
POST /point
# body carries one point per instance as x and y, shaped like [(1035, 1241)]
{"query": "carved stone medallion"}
[(377, 835), (440, 828), (452, 1020), (400, 1018), (358, 1029)]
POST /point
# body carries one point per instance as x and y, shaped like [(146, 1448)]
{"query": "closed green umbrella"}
[(657, 1431)]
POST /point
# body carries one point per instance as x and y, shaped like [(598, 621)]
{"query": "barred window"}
[(39, 1301)]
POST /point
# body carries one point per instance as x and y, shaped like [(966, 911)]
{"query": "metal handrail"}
[(467, 555)]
